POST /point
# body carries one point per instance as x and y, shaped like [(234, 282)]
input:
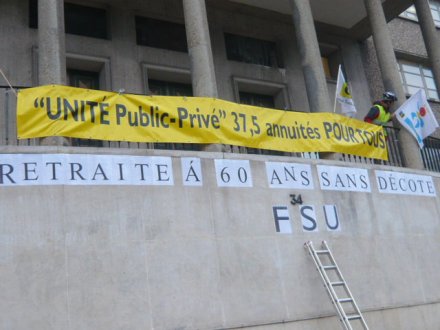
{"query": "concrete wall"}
[(209, 257)]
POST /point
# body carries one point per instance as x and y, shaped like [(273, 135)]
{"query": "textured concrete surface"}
[(180, 257)]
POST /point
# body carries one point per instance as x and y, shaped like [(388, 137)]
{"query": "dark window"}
[(85, 21), (250, 50), (90, 80), (158, 87), (83, 79), (79, 20), (33, 14), (259, 100), (160, 34)]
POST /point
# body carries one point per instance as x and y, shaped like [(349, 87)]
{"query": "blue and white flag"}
[(417, 117)]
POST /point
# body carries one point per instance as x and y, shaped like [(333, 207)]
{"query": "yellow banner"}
[(90, 114)]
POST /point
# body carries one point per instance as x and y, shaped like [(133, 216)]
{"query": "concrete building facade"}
[(184, 249)]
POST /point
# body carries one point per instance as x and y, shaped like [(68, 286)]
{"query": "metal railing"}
[(431, 154), (394, 154)]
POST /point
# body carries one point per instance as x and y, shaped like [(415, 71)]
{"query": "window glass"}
[(259, 100), (411, 13), (160, 34), (83, 79), (158, 87), (415, 76), (430, 83), (427, 73), (414, 80), (410, 68), (85, 21), (33, 14), (251, 50)]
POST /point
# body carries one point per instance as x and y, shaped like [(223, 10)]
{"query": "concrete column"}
[(199, 47), (430, 37), (354, 67), (314, 76), (391, 77), (51, 42), (51, 51), (200, 54)]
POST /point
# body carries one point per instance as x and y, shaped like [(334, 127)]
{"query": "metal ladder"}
[(348, 310)]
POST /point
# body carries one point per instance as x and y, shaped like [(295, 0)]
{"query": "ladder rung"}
[(353, 317), (322, 251), (329, 267), (337, 283), (344, 300)]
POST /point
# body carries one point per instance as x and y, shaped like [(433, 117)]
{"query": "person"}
[(379, 113)]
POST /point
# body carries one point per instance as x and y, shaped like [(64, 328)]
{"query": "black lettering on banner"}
[(275, 177), (331, 217), (402, 187), (121, 173), (52, 164), (104, 113), (57, 114), (242, 175), (282, 219), (182, 114), (430, 187), (225, 175), (325, 180), (290, 174), (27, 170), (327, 129), (121, 112), (141, 166), (191, 173), (382, 182), (412, 185), (92, 105), (364, 182), (6, 173), (421, 185), (164, 171), (78, 169), (99, 171), (308, 217), (305, 176)]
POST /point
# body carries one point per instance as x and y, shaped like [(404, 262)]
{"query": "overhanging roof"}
[(341, 17)]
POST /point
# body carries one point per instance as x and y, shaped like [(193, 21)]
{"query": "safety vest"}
[(384, 116)]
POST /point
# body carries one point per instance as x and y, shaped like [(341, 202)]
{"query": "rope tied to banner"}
[(7, 81)]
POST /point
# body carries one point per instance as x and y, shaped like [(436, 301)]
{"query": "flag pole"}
[(336, 92)]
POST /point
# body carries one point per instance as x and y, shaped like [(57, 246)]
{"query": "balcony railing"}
[(431, 154)]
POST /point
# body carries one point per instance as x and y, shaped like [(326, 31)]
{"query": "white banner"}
[(233, 173), (417, 117), (343, 178), (74, 169), (405, 184), (191, 171), (289, 175)]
